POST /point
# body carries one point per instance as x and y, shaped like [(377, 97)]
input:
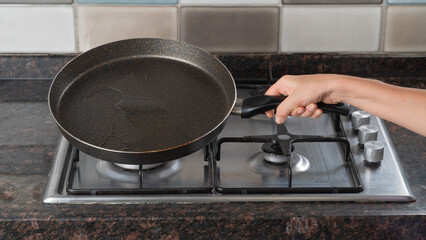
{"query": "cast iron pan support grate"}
[(286, 141), (134, 191)]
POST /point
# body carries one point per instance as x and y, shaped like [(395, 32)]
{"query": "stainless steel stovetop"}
[(315, 171)]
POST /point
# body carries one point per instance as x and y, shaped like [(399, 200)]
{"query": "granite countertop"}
[(28, 141)]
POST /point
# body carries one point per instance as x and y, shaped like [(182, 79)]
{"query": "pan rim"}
[(149, 151)]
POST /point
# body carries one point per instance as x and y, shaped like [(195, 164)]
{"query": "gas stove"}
[(332, 158)]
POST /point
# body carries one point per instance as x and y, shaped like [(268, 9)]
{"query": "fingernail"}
[(278, 120), (311, 107), (299, 111)]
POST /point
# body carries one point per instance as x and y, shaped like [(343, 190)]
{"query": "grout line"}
[(280, 43), (280, 9), (178, 6), (382, 28), (76, 27)]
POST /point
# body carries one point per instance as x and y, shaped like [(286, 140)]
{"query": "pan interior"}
[(142, 104)]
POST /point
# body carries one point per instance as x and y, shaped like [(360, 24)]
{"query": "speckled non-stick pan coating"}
[(142, 101)]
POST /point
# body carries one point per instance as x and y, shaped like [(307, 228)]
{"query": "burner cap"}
[(272, 148)]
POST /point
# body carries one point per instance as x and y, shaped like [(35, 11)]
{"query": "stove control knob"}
[(367, 133), (373, 151), (360, 118)]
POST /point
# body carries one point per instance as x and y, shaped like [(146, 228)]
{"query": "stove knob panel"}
[(367, 133), (360, 118), (373, 151)]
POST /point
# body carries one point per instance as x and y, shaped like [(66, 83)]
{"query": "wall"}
[(219, 26)]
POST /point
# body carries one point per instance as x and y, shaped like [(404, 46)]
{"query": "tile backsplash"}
[(37, 29), (230, 2), (332, 1), (127, 2), (406, 1), (36, 1), (231, 29), (406, 29), (330, 29), (102, 24), (218, 26)]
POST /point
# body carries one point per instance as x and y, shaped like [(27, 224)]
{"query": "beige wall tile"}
[(405, 29), (231, 29), (331, 1), (406, 1), (35, 1), (330, 28), (37, 29), (102, 24), (229, 2)]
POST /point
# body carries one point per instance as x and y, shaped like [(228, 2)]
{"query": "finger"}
[(274, 90), (297, 112), (270, 113), (284, 110), (317, 113), (310, 109)]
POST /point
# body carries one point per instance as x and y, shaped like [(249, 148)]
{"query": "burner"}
[(272, 148), (272, 158), (136, 167), (260, 164), (112, 171), (274, 153)]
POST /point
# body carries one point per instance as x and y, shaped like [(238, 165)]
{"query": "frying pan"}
[(145, 101)]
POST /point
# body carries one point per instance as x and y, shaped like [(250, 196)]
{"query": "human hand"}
[(401, 105), (303, 92)]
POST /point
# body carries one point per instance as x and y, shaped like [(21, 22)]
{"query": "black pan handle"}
[(260, 104)]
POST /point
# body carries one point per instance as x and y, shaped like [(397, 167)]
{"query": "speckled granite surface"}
[(28, 139), (357, 65), (250, 66)]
